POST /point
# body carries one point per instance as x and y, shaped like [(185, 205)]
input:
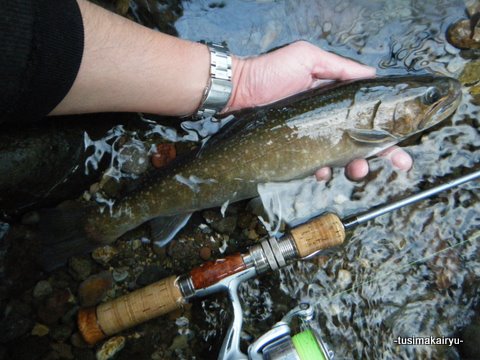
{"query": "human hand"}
[(295, 68)]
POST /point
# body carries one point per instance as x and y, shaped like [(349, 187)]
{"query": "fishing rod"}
[(300, 242)]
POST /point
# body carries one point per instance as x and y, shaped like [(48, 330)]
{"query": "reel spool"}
[(278, 344)]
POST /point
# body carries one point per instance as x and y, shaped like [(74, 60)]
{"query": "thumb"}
[(334, 67)]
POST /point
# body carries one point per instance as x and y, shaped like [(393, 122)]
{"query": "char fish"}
[(287, 140)]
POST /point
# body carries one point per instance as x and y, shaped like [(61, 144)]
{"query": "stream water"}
[(414, 272)]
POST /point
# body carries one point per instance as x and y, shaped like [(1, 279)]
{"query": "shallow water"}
[(411, 273)]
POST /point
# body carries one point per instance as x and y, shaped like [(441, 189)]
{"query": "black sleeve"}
[(41, 50)]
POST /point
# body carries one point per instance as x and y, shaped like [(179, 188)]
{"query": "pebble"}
[(40, 330), (80, 268), (321, 260), (103, 255), (165, 154), (205, 253), (179, 342), (42, 289), (460, 35), (252, 234), (55, 306), (110, 348), (120, 274), (136, 244), (225, 225), (61, 332), (133, 158), (95, 288), (64, 351), (344, 278), (77, 341), (244, 220)]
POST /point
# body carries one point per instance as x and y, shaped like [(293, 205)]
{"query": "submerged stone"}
[(464, 36), (95, 288), (110, 348), (40, 330), (42, 289)]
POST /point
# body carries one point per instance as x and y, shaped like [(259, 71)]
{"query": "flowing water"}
[(414, 272)]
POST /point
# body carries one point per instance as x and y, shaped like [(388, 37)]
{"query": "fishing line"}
[(373, 277)]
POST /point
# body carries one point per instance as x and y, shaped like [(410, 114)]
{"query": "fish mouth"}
[(444, 108)]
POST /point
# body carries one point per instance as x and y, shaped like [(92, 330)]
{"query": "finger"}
[(323, 174), (335, 67), (357, 169), (399, 158)]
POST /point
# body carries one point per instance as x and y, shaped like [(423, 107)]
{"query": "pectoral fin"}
[(371, 136), (164, 228)]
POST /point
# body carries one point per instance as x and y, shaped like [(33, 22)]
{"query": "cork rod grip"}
[(129, 310), (318, 234)]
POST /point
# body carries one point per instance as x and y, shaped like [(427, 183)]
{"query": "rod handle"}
[(159, 298), (317, 234)]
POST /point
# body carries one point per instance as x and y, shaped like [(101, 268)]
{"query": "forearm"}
[(127, 67)]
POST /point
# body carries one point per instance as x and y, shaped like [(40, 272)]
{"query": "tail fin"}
[(62, 235)]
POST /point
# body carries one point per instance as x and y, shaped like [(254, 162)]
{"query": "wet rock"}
[(151, 274), (471, 77), (64, 351), (260, 229), (252, 235), (40, 330), (320, 261), (61, 332), (55, 306), (120, 274), (344, 279), (42, 289), (463, 35), (205, 253), (103, 255), (77, 341), (244, 220), (95, 288), (133, 158), (165, 154), (110, 348), (79, 267), (14, 326), (224, 225), (136, 244), (473, 7), (180, 342)]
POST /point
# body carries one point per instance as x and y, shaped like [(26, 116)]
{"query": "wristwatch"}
[(219, 88)]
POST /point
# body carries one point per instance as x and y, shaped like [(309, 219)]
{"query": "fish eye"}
[(432, 95)]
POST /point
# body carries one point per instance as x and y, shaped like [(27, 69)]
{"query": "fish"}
[(289, 139)]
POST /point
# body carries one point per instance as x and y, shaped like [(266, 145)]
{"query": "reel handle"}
[(159, 298)]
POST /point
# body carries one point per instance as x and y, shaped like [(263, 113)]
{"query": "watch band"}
[(219, 87)]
